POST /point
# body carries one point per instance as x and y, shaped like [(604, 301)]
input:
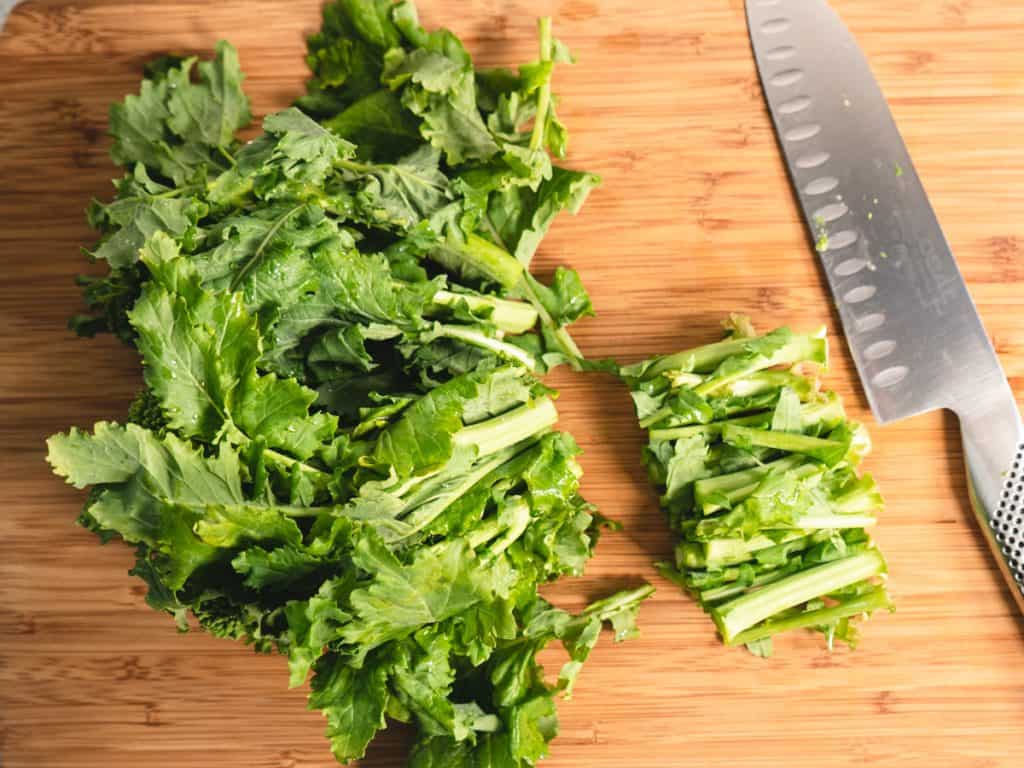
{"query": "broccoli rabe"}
[(757, 471)]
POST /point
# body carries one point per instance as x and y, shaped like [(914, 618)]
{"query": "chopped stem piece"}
[(746, 611)]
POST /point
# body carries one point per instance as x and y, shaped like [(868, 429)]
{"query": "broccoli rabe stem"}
[(610, 606), (480, 257), (509, 428), (441, 491), (863, 497), (478, 339), (713, 430), (852, 509), (424, 501), (825, 412), (513, 317), (476, 256), (744, 612), (760, 383), (698, 360), (834, 522), (706, 358), (493, 442), (868, 602), (725, 591), (288, 461), (501, 531), (737, 485), (767, 381), (559, 334), (720, 553), (540, 120), (802, 348), (817, 447)]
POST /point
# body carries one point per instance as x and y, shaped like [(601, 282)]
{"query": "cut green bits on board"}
[(757, 468), (341, 451)]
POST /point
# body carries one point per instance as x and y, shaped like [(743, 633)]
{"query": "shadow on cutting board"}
[(389, 748)]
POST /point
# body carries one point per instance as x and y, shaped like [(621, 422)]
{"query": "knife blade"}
[(913, 331)]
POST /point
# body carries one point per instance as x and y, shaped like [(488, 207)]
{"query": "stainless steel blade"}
[(915, 335), (911, 325)]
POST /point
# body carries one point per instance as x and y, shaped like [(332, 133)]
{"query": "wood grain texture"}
[(694, 219)]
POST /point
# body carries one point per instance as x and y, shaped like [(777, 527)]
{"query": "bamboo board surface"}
[(694, 219)]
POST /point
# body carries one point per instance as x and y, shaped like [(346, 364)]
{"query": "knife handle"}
[(993, 440)]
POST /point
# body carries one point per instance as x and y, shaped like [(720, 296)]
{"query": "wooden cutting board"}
[(694, 220)]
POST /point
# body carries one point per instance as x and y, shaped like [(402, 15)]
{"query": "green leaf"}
[(353, 701), (688, 463), (156, 489), (293, 158), (533, 725), (566, 300), (422, 678), (422, 439), (432, 70), (227, 526), (304, 141), (135, 220), (277, 410), (210, 111), (196, 347), (176, 127), (345, 56), (200, 351), (438, 86), (762, 648), (456, 129), (438, 583), (138, 126), (400, 194), (492, 750), (314, 623), (378, 124), (522, 216), (277, 568)]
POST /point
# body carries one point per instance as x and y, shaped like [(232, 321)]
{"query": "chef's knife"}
[(911, 325)]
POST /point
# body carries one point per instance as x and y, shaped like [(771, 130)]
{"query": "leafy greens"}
[(383, 231), (341, 452)]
